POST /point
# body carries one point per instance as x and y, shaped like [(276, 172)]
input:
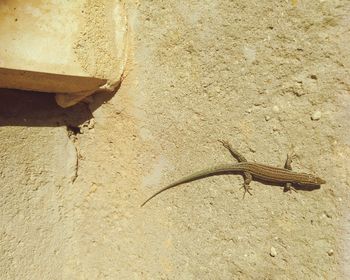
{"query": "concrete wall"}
[(268, 77)]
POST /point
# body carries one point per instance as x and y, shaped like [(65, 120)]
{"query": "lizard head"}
[(319, 181), (313, 180)]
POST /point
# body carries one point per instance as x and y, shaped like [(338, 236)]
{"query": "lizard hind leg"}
[(246, 175), (232, 151), (247, 179)]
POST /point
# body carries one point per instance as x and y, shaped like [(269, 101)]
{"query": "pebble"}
[(252, 149), (330, 252), (249, 54), (273, 252), (267, 118), (316, 116), (275, 109)]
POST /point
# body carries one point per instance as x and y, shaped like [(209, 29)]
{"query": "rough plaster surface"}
[(268, 77)]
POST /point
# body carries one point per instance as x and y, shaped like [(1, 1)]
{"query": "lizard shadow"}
[(296, 186)]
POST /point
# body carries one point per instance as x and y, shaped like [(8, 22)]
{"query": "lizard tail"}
[(221, 169)]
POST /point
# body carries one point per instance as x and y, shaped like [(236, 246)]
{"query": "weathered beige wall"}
[(269, 77)]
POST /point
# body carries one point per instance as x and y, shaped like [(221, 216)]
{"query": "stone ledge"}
[(70, 48)]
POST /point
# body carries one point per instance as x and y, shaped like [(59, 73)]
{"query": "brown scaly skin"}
[(252, 171)]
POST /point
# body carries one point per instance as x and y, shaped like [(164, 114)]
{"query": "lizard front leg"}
[(288, 165)]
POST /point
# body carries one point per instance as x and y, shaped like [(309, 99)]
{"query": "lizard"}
[(252, 171)]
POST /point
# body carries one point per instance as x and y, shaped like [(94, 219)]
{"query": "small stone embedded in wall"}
[(316, 116)]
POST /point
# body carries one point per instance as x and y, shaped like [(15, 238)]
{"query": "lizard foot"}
[(225, 143), (289, 188), (247, 189)]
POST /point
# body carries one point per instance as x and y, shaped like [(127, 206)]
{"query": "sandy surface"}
[(268, 77)]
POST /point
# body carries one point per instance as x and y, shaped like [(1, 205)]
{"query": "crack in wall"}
[(72, 132)]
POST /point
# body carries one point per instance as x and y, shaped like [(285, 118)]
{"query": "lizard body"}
[(251, 171)]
